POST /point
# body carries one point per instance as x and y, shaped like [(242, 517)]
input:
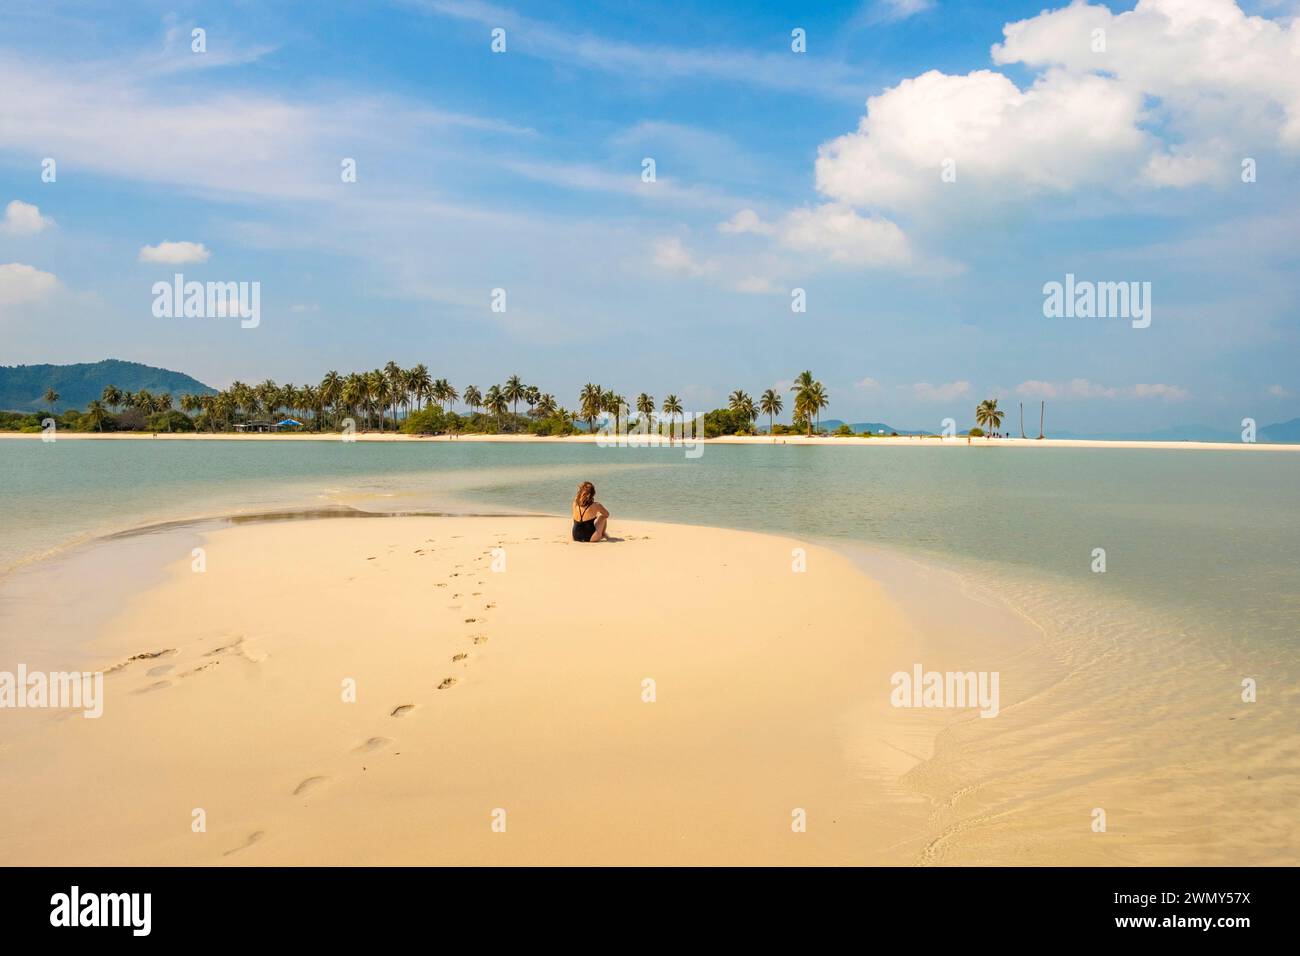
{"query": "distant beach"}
[(889, 441)]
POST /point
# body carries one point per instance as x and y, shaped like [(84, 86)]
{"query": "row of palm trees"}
[(385, 396)]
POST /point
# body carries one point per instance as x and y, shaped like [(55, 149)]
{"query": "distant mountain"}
[(1281, 432), (830, 424), (21, 386)]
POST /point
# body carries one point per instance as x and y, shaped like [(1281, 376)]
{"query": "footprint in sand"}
[(252, 838), (402, 710), (447, 682), (471, 620), (459, 657), (201, 667), (156, 685), (146, 656), (373, 744), (480, 638), (308, 784), (159, 670)]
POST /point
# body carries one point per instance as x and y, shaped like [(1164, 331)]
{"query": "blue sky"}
[(522, 170)]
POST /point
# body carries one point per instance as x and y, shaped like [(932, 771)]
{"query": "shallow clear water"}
[(1128, 697), (1214, 536)]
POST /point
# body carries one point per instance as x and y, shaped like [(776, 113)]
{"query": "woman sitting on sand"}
[(589, 515)]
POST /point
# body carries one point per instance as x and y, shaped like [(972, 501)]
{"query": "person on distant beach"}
[(589, 515)]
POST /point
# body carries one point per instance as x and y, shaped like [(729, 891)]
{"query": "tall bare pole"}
[(1042, 408), (1022, 419)]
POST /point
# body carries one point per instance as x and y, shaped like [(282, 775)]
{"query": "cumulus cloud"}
[(833, 231), (175, 253), (22, 284), (1066, 130), (845, 236), (746, 221), (671, 255), (23, 219), (1208, 63), (1081, 388), (1177, 85)]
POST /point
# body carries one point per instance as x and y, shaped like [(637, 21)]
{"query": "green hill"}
[(21, 386)]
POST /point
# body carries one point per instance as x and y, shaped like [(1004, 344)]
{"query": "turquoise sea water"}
[(1214, 536), (1127, 697)]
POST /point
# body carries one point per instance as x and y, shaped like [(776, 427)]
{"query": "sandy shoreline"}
[(880, 441), (755, 668), (523, 690)]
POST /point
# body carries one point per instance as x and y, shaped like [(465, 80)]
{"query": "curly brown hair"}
[(585, 496)]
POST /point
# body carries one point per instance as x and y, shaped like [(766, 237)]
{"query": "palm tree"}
[(770, 403), (546, 406), (354, 393), (818, 398), (613, 404), (532, 394), (515, 390), (309, 397), (742, 404), (645, 404), (421, 384), (496, 402), (374, 386), (590, 402), (393, 372), (810, 398), (672, 407), (96, 413), (473, 398), (50, 397), (112, 396), (331, 391), (989, 416)]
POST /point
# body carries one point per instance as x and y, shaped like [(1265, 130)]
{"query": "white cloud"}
[(892, 11), (867, 385), (845, 236), (572, 47), (1081, 388), (22, 284), (746, 221), (671, 255), (832, 232), (1277, 391), (1064, 131), (1209, 64), (1170, 393), (925, 392), (175, 253), (757, 285), (1180, 84), (23, 219)]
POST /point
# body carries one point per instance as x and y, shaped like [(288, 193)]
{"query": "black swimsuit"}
[(583, 530)]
